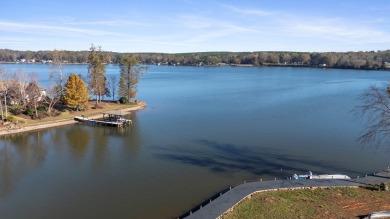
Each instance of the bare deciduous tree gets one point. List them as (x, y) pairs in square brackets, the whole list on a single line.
[(5, 84), (55, 88), (56, 85), (34, 94), (375, 105), (54, 92), (17, 91), (57, 67)]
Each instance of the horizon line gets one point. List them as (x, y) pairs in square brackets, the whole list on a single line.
[(203, 51)]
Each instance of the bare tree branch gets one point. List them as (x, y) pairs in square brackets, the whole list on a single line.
[(375, 107)]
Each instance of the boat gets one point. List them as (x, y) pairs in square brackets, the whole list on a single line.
[(378, 214), (309, 175)]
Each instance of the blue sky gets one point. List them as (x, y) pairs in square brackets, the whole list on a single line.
[(196, 25)]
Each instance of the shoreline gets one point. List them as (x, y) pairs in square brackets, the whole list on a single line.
[(62, 122), (291, 65), (226, 201)]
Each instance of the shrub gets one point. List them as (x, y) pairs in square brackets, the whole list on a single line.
[(123, 100), (42, 108), (42, 114), (30, 112), (10, 118), (16, 109), (55, 113), (65, 112)]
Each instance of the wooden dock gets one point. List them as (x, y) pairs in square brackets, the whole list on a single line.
[(114, 119)]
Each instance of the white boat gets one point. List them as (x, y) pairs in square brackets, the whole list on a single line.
[(378, 214), (310, 175)]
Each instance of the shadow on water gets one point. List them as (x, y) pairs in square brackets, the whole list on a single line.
[(226, 157)]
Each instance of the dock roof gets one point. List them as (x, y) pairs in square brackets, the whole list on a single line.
[(116, 113)]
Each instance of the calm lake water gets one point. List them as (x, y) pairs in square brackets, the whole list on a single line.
[(205, 129)]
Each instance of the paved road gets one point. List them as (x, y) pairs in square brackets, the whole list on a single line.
[(223, 203)]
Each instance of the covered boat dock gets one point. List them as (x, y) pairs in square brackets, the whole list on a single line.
[(110, 118), (115, 115)]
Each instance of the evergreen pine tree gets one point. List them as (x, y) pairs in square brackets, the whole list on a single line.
[(97, 72), (129, 76)]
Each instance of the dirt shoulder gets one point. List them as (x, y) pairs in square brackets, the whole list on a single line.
[(68, 118)]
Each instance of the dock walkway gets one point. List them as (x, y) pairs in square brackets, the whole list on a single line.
[(115, 119), (235, 195), (102, 122)]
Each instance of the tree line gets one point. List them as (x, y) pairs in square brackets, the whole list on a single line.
[(370, 60), (20, 93)]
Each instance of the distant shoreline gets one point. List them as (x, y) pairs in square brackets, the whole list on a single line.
[(366, 60), (39, 63), (221, 65)]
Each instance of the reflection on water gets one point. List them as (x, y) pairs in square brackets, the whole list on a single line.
[(18, 154), (23, 152), (78, 140), (204, 129)]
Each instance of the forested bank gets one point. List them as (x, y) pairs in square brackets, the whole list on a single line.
[(352, 60)]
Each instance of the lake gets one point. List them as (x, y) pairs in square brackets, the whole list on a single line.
[(204, 129)]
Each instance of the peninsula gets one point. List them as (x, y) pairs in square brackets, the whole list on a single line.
[(25, 124), (25, 105)]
